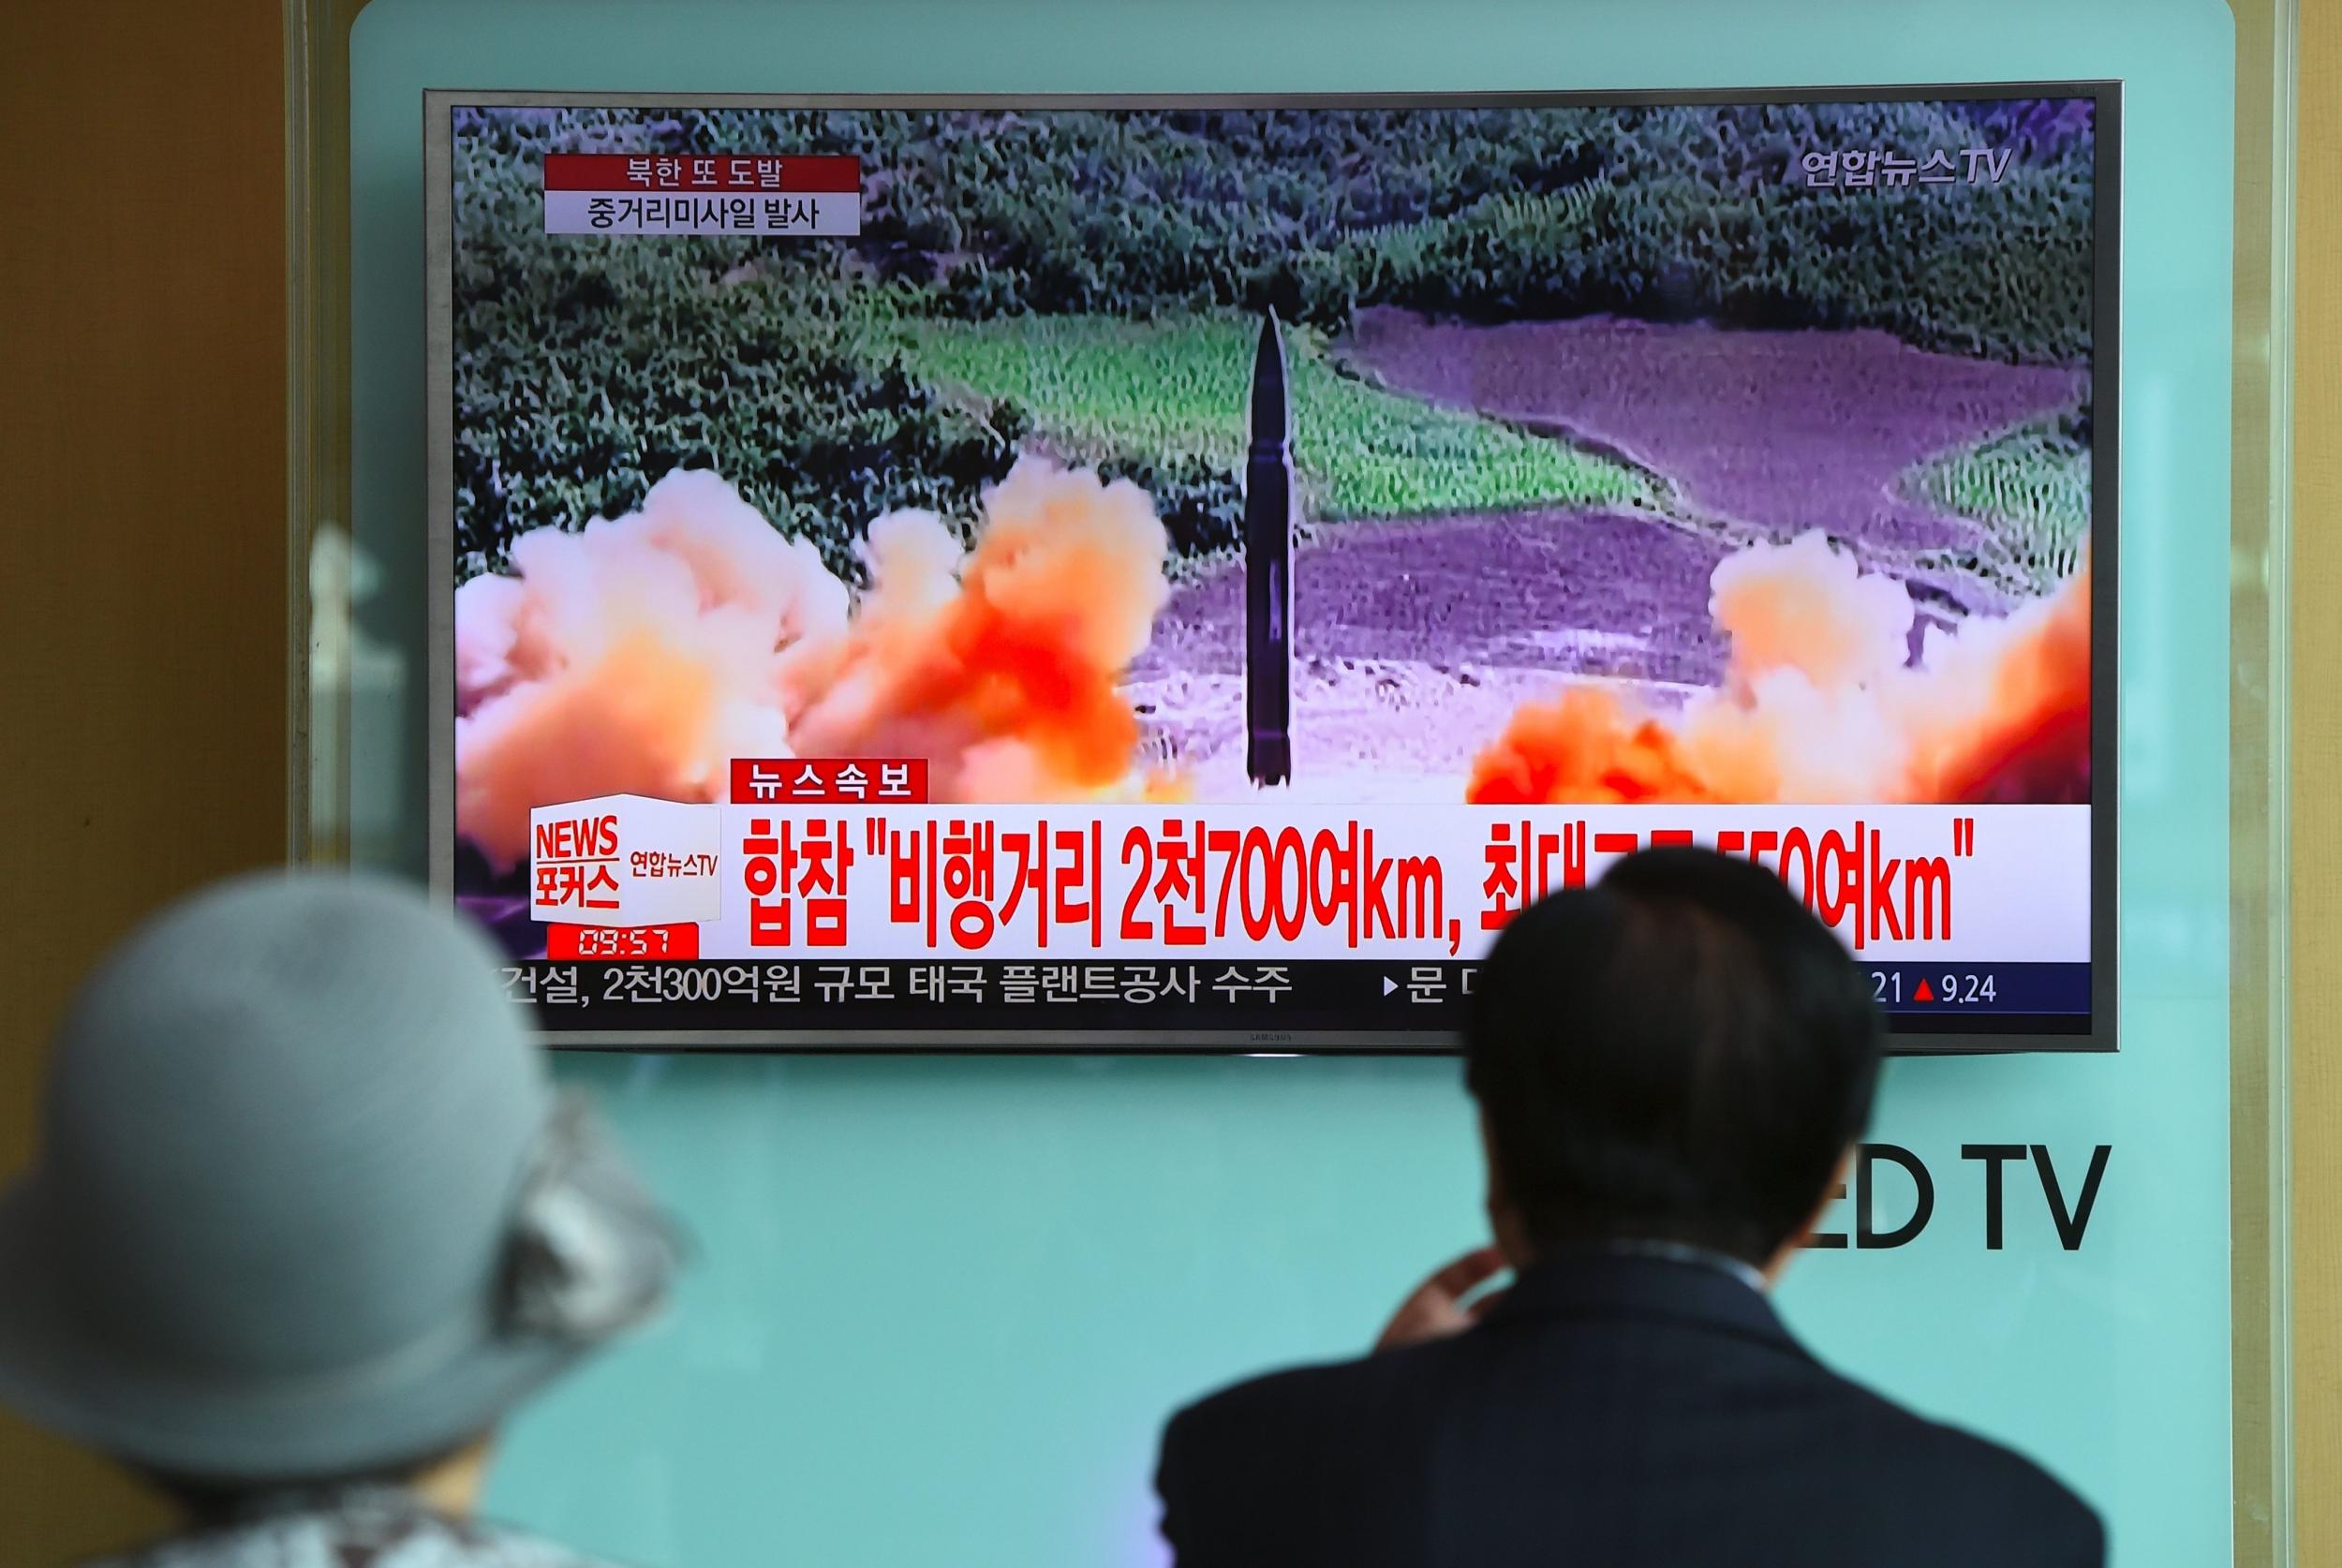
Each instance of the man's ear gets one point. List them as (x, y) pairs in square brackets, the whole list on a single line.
[(1838, 1179), (1497, 1197), (1503, 1218)]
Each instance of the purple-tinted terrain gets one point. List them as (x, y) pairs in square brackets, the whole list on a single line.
[(1594, 593), (1415, 641), (1780, 432)]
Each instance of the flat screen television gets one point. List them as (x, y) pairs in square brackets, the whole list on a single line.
[(1179, 573)]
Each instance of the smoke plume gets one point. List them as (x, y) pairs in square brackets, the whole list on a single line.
[(1819, 704), (641, 654)]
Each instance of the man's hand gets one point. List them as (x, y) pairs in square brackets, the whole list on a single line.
[(1436, 1309)]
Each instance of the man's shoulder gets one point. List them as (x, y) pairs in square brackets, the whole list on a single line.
[(1312, 1464), (1323, 1392), (1324, 1423), (1366, 1431), (1930, 1473)]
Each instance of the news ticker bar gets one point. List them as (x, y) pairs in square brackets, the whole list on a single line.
[(1314, 995), (1386, 883)]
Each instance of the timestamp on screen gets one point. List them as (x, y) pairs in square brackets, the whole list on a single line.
[(619, 942)]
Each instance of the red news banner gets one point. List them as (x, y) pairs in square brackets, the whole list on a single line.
[(828, 858), (633, 193)]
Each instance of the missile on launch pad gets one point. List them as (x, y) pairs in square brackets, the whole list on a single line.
[(1268, 569)]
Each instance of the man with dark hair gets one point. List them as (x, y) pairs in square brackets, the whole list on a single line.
[(1672, 1068)]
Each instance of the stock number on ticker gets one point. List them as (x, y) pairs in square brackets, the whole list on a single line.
[(1889, 987)]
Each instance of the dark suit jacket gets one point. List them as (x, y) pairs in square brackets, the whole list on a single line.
[(1612, 1411)]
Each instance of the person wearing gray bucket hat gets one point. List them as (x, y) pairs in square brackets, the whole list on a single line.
[(306, 1222)]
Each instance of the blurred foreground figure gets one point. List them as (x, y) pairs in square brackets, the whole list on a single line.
[(307, 1221), (1672, 1068)]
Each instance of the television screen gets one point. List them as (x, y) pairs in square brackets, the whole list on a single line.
[(1179, 573)]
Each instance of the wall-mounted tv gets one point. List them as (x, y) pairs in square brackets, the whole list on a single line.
[(1179, 573)]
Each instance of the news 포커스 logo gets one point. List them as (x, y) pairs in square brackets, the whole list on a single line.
[(624, 860)]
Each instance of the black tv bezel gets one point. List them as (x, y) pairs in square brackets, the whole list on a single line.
[(1946, 1034)]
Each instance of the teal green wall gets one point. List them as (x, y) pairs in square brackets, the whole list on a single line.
[(942, 1305)]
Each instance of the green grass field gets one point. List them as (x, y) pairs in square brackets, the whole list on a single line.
[(2031, 487), (1099, 388)]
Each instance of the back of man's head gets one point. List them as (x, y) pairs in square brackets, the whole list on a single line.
[(1683, 1053)]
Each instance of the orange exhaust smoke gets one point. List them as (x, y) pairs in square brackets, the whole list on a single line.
[(1008, 677), (1819, 707), (642, 654)]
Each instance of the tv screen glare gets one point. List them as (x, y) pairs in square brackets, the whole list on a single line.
[(1179, 573)]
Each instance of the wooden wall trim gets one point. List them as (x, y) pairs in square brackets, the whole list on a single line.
[(2315, 893), (142, 420), (2260, 668)]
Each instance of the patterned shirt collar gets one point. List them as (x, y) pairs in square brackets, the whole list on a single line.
[(344, 1527)]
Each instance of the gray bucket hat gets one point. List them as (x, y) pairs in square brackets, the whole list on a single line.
[(307, 1205)]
